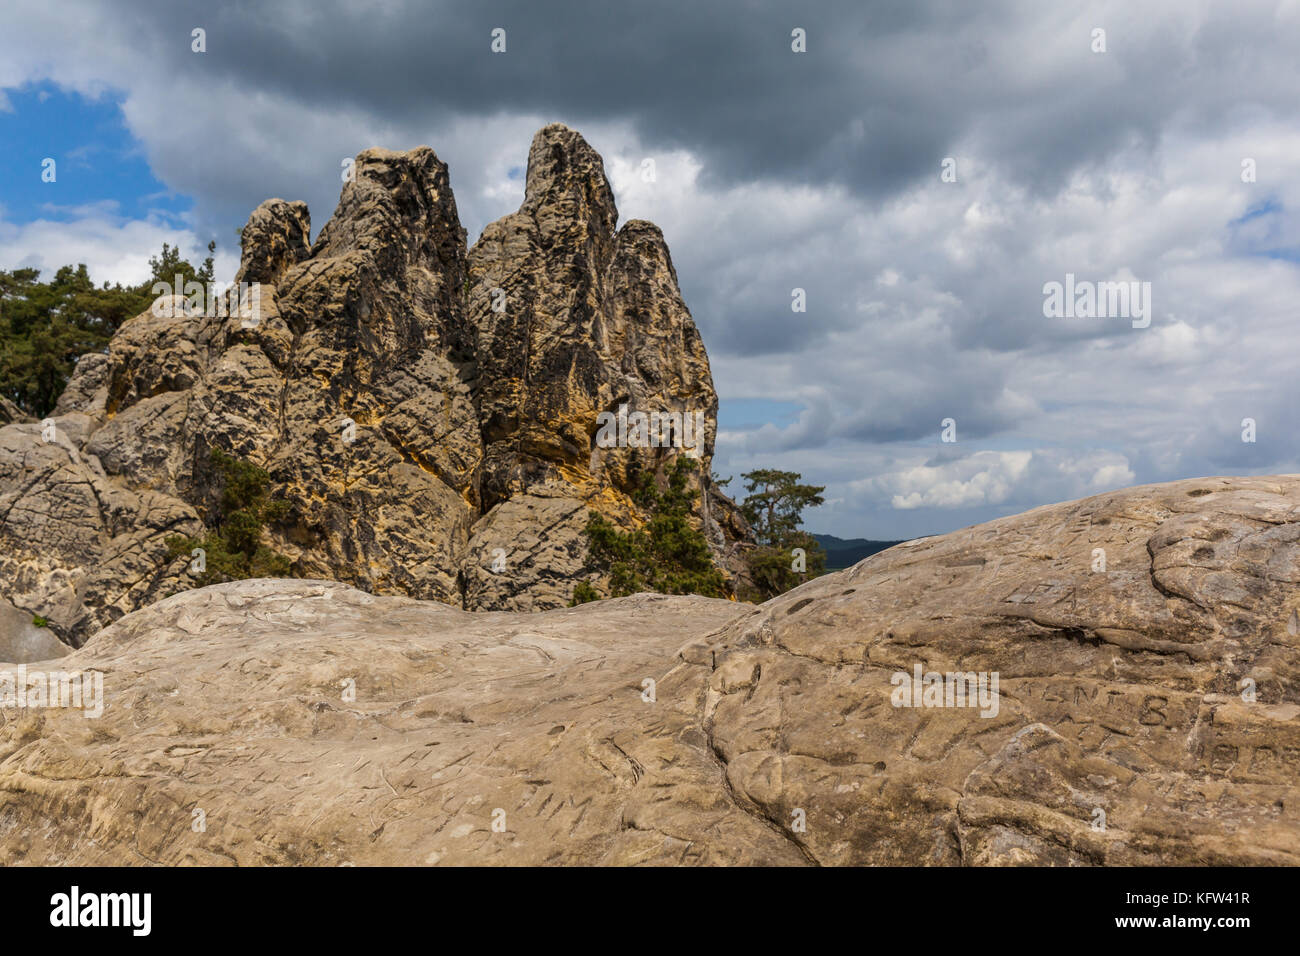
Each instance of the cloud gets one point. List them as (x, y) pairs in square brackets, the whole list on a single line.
[(994, 478), (108, 246), (776, 171)]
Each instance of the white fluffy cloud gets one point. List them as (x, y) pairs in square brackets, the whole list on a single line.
[(996, 477), (111, 248)]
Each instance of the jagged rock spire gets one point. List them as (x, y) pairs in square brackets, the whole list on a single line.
[(427, 413)]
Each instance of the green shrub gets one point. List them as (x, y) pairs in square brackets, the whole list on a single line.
[(666, 555), (583, 593), (233, 548)]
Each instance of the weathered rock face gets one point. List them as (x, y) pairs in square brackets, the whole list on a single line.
[(1122, 627), (573, 319), (76, 546), (1121, 734), (23, 640), (422, 425), (9, 412)]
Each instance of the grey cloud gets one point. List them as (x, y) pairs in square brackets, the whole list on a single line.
[(820, 171)]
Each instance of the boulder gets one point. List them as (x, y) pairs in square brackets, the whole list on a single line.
[(1138, 654)]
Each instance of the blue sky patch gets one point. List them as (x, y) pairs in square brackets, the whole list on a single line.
[(1262, 231), (746, 414), (99, 165)]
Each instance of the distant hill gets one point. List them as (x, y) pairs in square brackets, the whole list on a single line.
[(845, 552)]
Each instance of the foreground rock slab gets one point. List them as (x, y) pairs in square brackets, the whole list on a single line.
[(1147, 711)]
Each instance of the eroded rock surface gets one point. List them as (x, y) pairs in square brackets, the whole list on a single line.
[(571, 319), (1147, 713), (428, 412), (23, 639), (9, 412)]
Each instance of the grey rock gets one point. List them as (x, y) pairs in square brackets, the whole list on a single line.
[(315, 724), (474, 429), (9, 412), (87, 389), (23, 641)]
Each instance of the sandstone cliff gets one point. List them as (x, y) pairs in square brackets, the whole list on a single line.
[(1148, 712), (426, 411)]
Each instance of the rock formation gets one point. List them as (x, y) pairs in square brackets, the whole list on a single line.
[(22, 639), (1144, 642), (9, 412), (425, 411)]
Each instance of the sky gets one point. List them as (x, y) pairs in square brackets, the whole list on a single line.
[(922, 170)]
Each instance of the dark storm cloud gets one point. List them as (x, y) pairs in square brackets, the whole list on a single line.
[(718, 78), (882, 95)]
